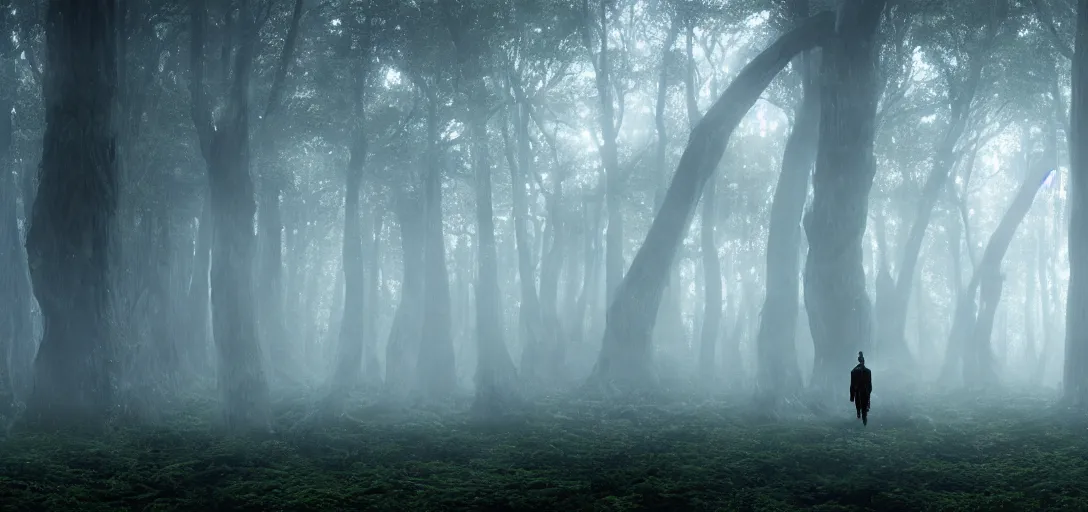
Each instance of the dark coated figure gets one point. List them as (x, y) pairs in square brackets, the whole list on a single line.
[(861, 386)]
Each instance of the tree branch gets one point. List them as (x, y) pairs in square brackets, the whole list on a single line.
[(1047, 20), (286, 55)]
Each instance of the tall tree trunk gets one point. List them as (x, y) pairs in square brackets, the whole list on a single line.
[(556, 235), (550, 267), (955, 277), (1061, 119), (163, 294), (921, 318), (14, 301), (14, 297), (401, 350), (965, 355), (979, 370), (530, 319), (199, 294), (329, 341), (839, 310), (712, 275), (712, 268), (310, 300), (436, 376), (587, 298), (699, 289), (625, 357), (461, 303), (1031, 351), (234, 321), (1046, 348), (495, 372), (24, 341), (349, 354), (1057, 121), (1075, 379), (270, 285), (609, 152), (72, 217), (271, 296), (777, 371), (892, 326), (732, 362), (372, 371), (241, 374), (298, 241), (669, 326), (660, 124), (574, 280)]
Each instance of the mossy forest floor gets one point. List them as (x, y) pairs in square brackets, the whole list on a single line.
[(1005, 453)]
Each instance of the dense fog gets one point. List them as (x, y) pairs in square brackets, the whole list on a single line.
[(343, 206)]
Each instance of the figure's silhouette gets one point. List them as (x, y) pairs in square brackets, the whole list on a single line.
[(861, 386)]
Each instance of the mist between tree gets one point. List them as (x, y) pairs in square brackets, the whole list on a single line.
[(268, 217)]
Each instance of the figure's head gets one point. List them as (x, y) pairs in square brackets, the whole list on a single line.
[(861, 358)]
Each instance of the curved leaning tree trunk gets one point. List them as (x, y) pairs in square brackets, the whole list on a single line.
[(1075, 380), (968, 348), (625, 357), (892, 302), (72, 216)]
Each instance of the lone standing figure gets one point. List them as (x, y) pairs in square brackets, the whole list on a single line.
[(861, 386)]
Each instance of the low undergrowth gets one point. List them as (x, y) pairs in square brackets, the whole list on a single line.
[(566, 455)]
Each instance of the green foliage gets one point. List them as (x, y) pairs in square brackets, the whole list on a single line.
[(1014, 453)]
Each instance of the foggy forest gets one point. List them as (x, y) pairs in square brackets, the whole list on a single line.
[(318, 255)]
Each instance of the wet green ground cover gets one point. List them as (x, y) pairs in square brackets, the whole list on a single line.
[(565, 455)]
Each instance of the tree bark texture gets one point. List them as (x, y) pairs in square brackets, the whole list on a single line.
[(1075, 378), (838, 305), (72, 218)]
